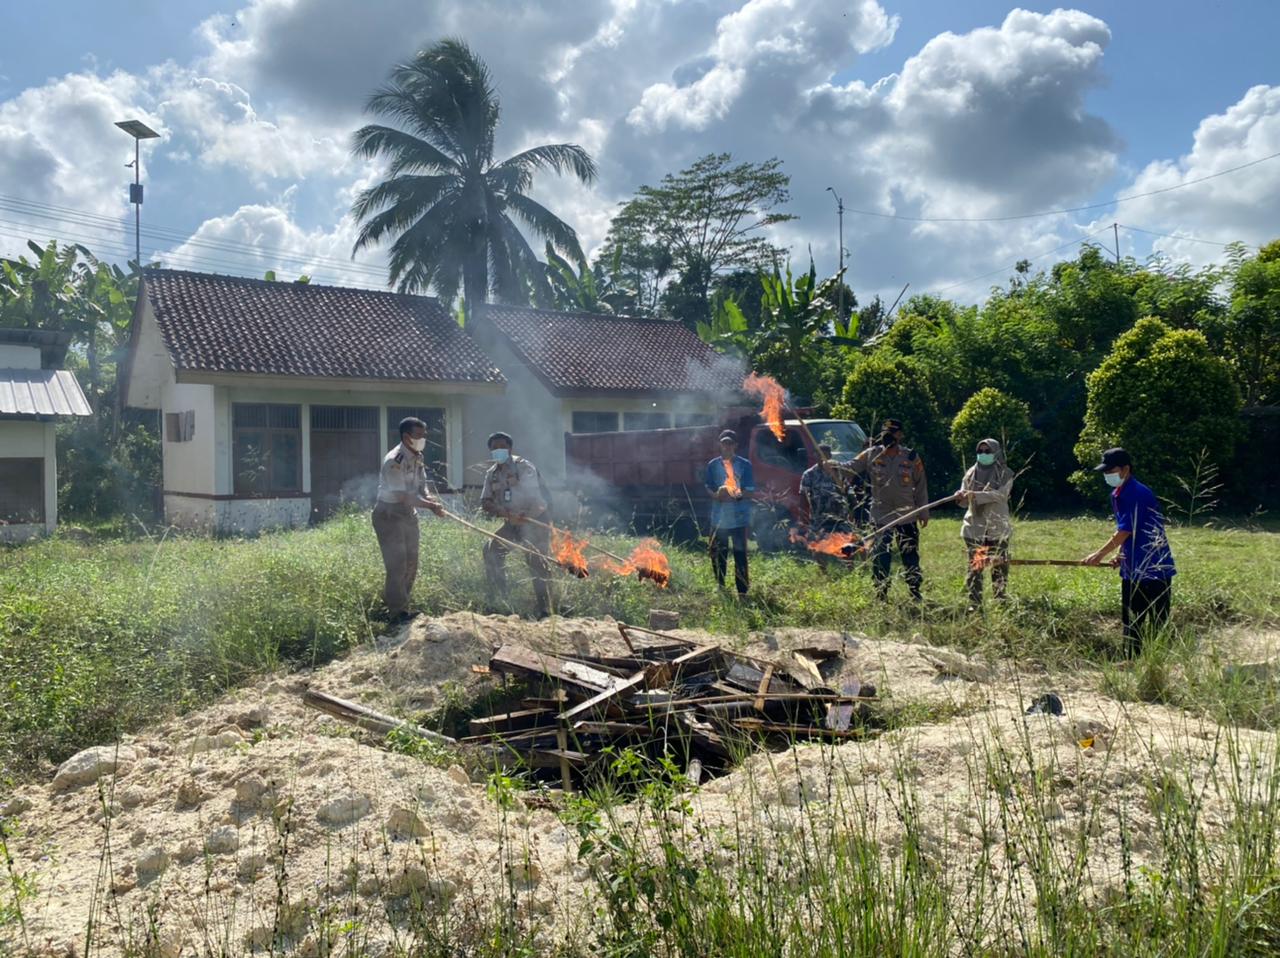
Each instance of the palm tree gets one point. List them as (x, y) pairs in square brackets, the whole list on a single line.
[(446, 202)]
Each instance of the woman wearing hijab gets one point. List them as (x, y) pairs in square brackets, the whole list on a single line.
[(986, 527)]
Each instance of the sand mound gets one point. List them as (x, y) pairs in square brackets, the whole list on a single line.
[(258, 822)]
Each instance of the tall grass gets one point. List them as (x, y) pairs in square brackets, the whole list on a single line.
[(98, 637)]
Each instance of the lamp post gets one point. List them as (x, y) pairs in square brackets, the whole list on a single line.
[(840, 240), (139, 131)]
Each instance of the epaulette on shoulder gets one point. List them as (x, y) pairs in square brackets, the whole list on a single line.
[(400, 457)]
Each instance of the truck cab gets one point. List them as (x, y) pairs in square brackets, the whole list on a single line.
[(779, 464)]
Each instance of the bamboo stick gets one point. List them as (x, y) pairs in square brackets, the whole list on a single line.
[(1066, 562), (445, 513), (772, 697), (366, 718)]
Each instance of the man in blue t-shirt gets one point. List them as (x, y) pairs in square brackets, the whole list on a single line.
[(1146, 564), (730, 482)]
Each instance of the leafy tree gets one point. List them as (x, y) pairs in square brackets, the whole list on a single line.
[(708, 219), (792, 336), (883, 384), (1250, 330), (1165, 397), (992, 414), (108, 463), (586, 289), (448, 204)]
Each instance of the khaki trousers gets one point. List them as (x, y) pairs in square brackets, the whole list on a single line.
[(396, 527)]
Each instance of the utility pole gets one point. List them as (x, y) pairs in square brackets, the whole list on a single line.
[(1115, 228), (139, 131), (840, 241)]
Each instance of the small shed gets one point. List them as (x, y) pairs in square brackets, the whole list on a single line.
[(34, 395)]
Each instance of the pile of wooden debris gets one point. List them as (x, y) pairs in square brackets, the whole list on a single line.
[(699, 703)]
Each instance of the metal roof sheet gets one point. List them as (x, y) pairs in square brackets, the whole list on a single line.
[(41, 392)]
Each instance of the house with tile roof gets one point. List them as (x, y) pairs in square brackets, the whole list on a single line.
[(279, 400), (34, 395), (585, 372)]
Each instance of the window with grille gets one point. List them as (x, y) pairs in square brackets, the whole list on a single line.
[(22, 490), (595, 422), (344, 418), (632, 421), (436, 453), (266, 448)]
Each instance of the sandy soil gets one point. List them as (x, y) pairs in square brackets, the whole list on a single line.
[(208, 817)]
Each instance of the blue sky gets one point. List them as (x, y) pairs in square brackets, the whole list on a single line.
[(1015, 110)]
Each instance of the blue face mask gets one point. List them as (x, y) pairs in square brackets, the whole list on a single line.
[(500, 455), (1114, 479), (986, 458)]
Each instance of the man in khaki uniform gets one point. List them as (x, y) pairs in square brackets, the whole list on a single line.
[(513, 491), (898, 485), (402, 491)]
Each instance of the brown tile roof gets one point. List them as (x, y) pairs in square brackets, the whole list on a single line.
[(229, 324), (587, 352), (41, 394)]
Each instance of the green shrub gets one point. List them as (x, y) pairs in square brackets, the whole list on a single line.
[(1166, 398), (887, 384), (991, 414)]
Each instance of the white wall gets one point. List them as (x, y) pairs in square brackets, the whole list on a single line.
[(19, 357), (150, 368), (189, 466)]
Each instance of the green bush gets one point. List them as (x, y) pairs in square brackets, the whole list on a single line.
[(887, 384), (1165, 397), (992, 414)]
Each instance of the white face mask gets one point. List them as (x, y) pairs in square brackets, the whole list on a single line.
[(500, 455), (1114, 479), (417, 445)]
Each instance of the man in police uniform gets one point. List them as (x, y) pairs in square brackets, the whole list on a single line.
[(402, 490), (513, 491), (898, 485)]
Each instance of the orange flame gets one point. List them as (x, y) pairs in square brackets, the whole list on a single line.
[(774, 396), (981, 556), (843, 544), (730, 478), (569, 552), (647, 561)]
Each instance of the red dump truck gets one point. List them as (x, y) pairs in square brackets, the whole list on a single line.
[(652, 479)]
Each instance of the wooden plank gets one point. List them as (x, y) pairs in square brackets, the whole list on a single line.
[(520, 660), (764, 688), (512, 721), (813, 731), (562, 753), (366, 718), (605, 697)]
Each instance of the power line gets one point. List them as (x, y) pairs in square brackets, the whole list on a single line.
[(1029, 259), (1177, 236), (90, 220), (1066, 209)]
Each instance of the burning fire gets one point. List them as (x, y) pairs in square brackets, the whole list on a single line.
[(647, 561), (774, 396), (843, 544), (569, 552), (731, 480), (981, 556)]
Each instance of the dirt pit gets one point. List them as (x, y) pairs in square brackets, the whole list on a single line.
[(258, 824)]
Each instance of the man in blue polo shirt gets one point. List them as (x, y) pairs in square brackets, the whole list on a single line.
[(1146, 564), (730, 482)]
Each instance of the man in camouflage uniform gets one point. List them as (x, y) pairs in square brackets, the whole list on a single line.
[(898, 485), (402, 490), (513, 491)]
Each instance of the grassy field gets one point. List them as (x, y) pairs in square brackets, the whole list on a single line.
[(99, 636)]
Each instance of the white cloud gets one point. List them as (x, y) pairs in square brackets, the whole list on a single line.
[(265, 236), (1242, 206)]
